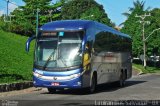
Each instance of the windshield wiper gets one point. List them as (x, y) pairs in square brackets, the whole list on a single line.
[(49, 58)]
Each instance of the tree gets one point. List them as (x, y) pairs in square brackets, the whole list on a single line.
[(2, 23), (137, 5), (24, 21), (153, 42), (133, 28), (85, 9)]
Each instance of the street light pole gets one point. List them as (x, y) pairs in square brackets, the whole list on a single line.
[(151, 33), (50, 14), (7, 7)]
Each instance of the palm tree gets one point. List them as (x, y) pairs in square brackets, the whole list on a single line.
[(137, 5)]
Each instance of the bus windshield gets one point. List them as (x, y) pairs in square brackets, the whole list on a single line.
[(59, 49)]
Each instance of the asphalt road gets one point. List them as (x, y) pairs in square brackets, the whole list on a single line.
[(139, 87)]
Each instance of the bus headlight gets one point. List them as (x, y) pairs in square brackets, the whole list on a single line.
[(75, 75), (37, 74)]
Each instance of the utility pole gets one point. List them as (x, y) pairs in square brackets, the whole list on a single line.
[(142, 17), (50, 14), (7, 7), (37, 22), (7, 17)]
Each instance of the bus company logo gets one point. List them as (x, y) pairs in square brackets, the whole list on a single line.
[(55, 78)]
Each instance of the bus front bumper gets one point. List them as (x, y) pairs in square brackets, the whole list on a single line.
[(57, 82)]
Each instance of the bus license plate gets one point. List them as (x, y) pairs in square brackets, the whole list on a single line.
[(55, 84)]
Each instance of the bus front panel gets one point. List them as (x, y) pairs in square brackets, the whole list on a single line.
[(65, 79)]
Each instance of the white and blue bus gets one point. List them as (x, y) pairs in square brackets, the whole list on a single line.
[(80, 54)]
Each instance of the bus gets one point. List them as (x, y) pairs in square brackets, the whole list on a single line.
[(80, 54)]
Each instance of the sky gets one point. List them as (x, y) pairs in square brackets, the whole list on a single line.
[(113, 8), (14, 4)]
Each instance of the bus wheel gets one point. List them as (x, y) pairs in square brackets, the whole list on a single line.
[(122, 80), (92, 88), (51, 90)]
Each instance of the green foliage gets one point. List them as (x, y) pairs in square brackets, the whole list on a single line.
[(15, 63), (1, 23), (147, 70), (153, 42), (21, 23), (85, 9), (24, 21), (134, 29)]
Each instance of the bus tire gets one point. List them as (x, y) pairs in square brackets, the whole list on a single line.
[(92, 88), (51, 90), (122, 79)]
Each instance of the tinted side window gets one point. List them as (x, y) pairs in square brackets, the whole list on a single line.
[(100, 41), (126, 44), (106, 41)]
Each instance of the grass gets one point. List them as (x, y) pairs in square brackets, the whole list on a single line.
[(15, 63), (147, 70)]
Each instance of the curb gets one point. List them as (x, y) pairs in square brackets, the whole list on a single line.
[(15, 86), (141, 73)]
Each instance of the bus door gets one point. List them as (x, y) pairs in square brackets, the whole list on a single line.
[(87, 65)]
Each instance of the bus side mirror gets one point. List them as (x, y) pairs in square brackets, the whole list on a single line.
[(28, 43)]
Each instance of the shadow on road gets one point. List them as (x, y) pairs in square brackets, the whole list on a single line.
[(112, 86), (56, 103), (109, 87)]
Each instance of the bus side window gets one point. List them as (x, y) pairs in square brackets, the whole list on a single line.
[(98, 43)]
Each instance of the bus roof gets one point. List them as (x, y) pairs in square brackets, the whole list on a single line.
[(71, 25)]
